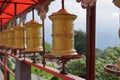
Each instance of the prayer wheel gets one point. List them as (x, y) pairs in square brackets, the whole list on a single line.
[(117, 3), (1, 38), (19, 37), (118, 64), (4, 38), (62, 33), (33, 36), (11, 40)]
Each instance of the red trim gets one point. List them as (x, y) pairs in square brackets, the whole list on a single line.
[(40, 66), (7, 68), (111, 71)]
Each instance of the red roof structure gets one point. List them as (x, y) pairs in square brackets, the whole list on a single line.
[(11, 8)]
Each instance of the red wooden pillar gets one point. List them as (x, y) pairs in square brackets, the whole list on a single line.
[(90, 43)]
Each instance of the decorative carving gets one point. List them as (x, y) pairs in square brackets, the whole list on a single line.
[(87, 3), (117, 3), (23, 18), (43, 9)]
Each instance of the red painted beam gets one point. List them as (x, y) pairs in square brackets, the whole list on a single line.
[(46, 68), (53, 71)]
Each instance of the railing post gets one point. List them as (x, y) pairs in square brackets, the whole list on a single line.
[(90, 36), (5, 64), (22, 71)]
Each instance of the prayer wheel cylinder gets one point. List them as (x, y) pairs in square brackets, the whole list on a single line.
[(2, 43), (118, 64), (11, 40), (117, 3), (33, 36), (19, 37), (4, 38), (62, 33)]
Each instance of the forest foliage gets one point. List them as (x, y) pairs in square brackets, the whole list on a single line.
[(103, 57)]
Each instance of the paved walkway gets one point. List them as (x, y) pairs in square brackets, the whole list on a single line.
[(33, 77), (36, 78), (1, 75)]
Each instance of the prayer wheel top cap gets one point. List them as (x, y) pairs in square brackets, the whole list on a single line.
[(6, 30), (20, 26), (117, 3), (10, 30), (32, 22), (62, 12)]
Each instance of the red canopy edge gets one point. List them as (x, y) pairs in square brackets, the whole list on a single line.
[(10, 9)]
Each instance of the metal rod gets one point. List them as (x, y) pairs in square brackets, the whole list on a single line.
[(33, 14), (90, 43), (34, 58), (43, 42), (63, 7), (0, 24)]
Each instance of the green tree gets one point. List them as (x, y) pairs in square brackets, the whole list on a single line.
[(111, 54), (99, 53), (101, 74), (80, 41), (47, 46), (77, 67)]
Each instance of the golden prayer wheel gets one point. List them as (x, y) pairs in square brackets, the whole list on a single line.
[(62, 33), (4, 33), (118, 64), (33, 36), (1, 38), (6, 37), (117, 3), (19, 37), (11, 40)]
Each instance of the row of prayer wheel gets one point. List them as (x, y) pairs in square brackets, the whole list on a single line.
[(30, 36), (19, 37)]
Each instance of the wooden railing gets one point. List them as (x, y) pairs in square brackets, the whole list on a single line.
[(23, 69)]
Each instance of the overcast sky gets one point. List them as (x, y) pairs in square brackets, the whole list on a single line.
[(107, 21)]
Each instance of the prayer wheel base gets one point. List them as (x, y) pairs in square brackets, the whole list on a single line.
[(63, 52), (63, 60), (33, 49)]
